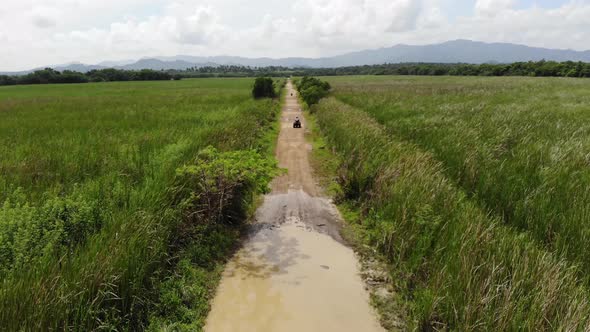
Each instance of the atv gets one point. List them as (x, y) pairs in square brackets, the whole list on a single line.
[(297, 124)]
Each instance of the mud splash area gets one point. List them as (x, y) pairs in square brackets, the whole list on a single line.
[(294, 272)]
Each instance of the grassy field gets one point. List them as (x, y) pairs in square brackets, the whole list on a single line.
[(86, 175), (476, 189), (520, 147)]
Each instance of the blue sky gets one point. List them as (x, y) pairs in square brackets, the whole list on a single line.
[(41, 32)]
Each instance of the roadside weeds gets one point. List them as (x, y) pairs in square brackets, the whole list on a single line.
[(375, 271)]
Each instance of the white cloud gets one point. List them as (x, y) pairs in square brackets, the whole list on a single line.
[(403, 15), (43, 21), (333, 18), (45, 17), (432, 16), (492, 7), (201, 27), (42, 32)]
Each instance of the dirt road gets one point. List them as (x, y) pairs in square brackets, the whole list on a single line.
[(293, 273)]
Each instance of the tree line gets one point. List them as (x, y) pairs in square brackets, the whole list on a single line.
[(234, 71), (531, 68), (52, 76)]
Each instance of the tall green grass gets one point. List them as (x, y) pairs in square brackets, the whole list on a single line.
[(458, 267), (518, 146), (86, 221)]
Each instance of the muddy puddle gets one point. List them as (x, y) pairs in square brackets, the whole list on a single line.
[(292, 275)]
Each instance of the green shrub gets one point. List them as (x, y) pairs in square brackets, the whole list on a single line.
[(263, 88), (312, 89), (28, 233), (215, 188), (214, 194)]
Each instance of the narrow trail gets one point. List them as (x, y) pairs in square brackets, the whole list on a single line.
[(294, 272)]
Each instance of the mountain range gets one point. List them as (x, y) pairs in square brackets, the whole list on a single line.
[(457, 51)]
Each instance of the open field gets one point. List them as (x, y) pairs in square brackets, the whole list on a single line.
[(86, 219), (477, 190), (519, 147), (115, 215)]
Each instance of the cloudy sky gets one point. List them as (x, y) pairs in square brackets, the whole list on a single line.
[(45, 32)]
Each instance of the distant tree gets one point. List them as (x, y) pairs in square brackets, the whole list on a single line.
[(7, 80), (312, 89), (73, 77), (313, 94), (263, 88)]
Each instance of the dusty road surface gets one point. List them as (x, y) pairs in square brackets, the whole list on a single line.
[(293, 272)]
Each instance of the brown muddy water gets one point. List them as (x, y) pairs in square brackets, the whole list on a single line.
[(294, 272)]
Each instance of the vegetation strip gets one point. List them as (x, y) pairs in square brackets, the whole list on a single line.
[(119, 273), (531, 68), (51, 76), (457, 267), (518, 147)]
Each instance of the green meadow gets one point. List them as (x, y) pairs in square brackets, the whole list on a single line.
[(477, 190), (120, 202), (91, 218)]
